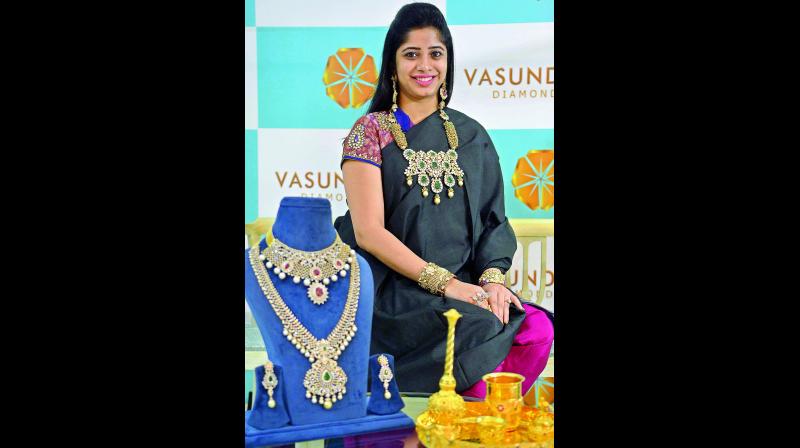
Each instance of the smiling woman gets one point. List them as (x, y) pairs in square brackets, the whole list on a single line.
[(418, 72), (425, 197)]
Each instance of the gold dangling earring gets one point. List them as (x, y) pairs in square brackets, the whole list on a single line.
[(442, 94), (385, 375), (270, 382), (394, 95), (394, 127)]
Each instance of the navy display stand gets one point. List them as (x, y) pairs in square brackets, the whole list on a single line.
[(351, 427), (306, 224)]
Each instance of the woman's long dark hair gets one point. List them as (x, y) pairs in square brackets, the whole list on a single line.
[(410, 17)]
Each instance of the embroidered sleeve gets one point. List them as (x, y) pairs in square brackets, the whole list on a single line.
[(363, 142), (368, 137)]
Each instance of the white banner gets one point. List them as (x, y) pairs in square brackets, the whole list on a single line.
[(504, 74), (300, 162), (326, 13), (250, 80)]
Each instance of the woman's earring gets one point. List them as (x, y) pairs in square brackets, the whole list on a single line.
[(443, 94), (394, 95), (385, 375), (269, 382)]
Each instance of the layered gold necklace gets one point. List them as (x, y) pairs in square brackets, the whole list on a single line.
[(325, 381), (436, 169)]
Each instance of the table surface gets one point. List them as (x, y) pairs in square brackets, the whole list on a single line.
[(415, 404)]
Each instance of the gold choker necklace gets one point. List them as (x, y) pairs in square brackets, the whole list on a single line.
[(315, 269)]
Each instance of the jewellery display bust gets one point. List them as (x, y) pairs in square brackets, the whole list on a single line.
[(305, 225)]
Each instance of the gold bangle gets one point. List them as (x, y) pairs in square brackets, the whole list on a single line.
[(492, 275), (434, 278)]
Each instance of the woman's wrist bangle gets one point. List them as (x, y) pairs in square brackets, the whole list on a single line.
[(434, 278), (492, 275)]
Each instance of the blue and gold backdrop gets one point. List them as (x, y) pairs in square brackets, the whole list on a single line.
[(310, 71)]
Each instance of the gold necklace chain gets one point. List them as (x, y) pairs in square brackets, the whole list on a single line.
[(316, 269), (431, 168), (325, 381)]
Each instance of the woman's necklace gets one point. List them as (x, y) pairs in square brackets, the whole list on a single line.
[(315, 269), (325, 380), (430, 167)]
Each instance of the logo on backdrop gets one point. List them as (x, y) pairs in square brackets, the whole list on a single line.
[(522, 83), (544, 387), (350, 77), (514, 282), (315, 184), (534, 179)]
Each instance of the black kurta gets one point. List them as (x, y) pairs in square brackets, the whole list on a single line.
[(465, 234)]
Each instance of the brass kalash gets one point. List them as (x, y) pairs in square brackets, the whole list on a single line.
[(502, 421)]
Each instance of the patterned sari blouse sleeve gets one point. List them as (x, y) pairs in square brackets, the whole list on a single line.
[(366, 139)]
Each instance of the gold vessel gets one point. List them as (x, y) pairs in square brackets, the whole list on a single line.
[(503, 421)]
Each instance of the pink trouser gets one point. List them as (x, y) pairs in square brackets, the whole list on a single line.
[(529, 352)]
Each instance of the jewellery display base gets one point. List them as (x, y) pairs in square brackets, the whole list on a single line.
[(298, 433)]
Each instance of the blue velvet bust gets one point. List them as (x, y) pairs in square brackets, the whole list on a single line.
[(306, 224)]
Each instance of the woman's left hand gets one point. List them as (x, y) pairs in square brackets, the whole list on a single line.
[(504, 299)]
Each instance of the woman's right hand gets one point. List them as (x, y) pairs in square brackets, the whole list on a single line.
[(458, 290)]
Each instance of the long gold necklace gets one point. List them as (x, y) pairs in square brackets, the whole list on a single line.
[(325, 381), (434, 168)]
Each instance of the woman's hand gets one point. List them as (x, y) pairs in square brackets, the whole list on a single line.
[(466, 292), (500, 299)]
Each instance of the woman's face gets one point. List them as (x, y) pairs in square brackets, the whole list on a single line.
[(421, 64)]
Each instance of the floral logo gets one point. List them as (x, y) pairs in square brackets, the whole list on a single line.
[(350, 77), (533, 179)]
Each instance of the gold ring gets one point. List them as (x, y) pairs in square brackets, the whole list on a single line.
[(480, 297)]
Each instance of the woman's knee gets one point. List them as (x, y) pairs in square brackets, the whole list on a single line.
[(536, 329)]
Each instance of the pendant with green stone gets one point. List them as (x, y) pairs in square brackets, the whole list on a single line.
[(434, 169), (325, 382)]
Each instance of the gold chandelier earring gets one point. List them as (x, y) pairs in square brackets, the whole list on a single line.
[(270, 382), (394, 94), (442, 94), (385, 375), (394, 127)]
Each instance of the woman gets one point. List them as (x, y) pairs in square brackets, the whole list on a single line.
[(425, 198)]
